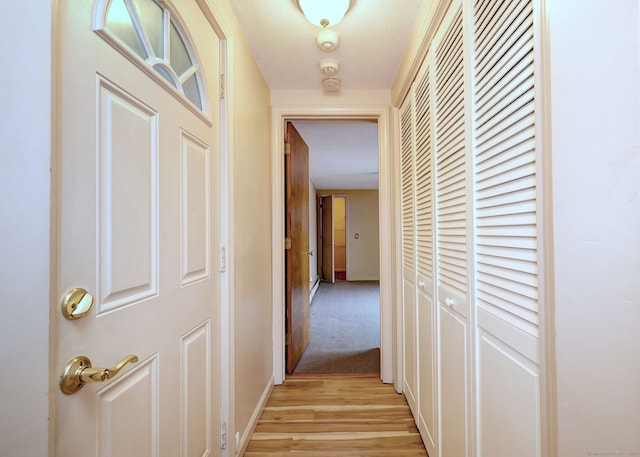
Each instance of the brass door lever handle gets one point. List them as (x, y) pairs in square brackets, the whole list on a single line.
[(78, 371)]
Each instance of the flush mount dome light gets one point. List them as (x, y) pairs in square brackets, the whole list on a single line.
[(324, 13)]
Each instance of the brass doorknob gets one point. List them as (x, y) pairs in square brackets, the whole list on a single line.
[(78, 371)]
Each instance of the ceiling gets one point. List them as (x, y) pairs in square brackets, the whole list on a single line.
[(373, 38), (343, 155)]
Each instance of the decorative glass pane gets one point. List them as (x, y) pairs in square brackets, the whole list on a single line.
[(120, 24), (152, 18), (165, 74), (192, 90), (144, 33), (180, 60)]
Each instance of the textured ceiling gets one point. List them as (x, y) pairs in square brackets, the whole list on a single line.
[(373, 38), (342, 154)]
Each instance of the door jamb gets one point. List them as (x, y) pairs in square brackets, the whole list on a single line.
[(385, 203)]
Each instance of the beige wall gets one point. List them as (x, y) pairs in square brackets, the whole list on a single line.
[(595, 160), (339, 234), (363, 254), (252, 314), (25, 180)]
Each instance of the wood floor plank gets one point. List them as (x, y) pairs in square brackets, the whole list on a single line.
[(326, 417)]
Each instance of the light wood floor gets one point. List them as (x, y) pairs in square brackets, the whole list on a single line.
[(324, 417)]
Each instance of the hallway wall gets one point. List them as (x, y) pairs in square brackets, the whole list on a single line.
[(595, 158), (25, 239), (252, 314)]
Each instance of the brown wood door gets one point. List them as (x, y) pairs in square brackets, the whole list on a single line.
[(297, 259), (327, 271)]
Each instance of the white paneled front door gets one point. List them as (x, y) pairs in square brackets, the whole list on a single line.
[(138, 228)]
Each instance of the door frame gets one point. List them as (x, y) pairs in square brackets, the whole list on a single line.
[(279, 115)]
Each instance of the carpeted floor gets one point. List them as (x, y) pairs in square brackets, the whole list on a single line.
[(345, 329)]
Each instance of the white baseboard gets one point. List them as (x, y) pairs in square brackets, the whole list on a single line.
[(242, 444), (314, 288)]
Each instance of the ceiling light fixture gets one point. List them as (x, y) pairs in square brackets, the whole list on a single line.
[(324, 13)]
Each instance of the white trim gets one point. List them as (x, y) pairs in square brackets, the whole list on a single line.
[(546, 283), (473, 347), (397, 292), (386, 210), (227, 324)]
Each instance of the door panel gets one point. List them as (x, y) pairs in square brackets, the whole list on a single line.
[(427, 364), (509, 400), (454, 385), (327, 271), (138, 215), (453, 232), (410, 346), (128, 161), (297, 259), (134, 396)]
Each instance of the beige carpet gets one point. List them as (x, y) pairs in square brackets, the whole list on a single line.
[(345, 329)]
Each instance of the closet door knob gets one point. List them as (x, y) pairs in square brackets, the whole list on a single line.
[(450, 302)]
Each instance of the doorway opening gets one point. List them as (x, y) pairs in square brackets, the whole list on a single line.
[(344, 275), (332, 237), (386, 225), (339, 238)]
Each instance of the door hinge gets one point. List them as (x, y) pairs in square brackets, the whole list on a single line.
[(223, 259), (223, 435), (287, 243), (287, 339), (223, 86), (287, 149)]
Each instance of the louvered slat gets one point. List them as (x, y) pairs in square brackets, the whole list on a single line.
[(407, 185), (450, 160), (505, 167), (424, 156)]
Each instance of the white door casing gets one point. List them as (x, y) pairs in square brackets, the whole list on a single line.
[(279, 114), (409, 311), (139, 227)]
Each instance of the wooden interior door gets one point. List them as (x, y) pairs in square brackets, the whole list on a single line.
[(297, 257), (327, 270), (138, 216)]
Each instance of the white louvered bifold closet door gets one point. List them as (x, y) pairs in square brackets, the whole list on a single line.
[(505, 220), (427, 317), (410, 349), (452, 253), (451, 165)]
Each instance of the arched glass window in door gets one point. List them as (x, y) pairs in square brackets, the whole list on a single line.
[(148, 29)]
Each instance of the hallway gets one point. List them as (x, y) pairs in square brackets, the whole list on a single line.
[(313, 417)]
